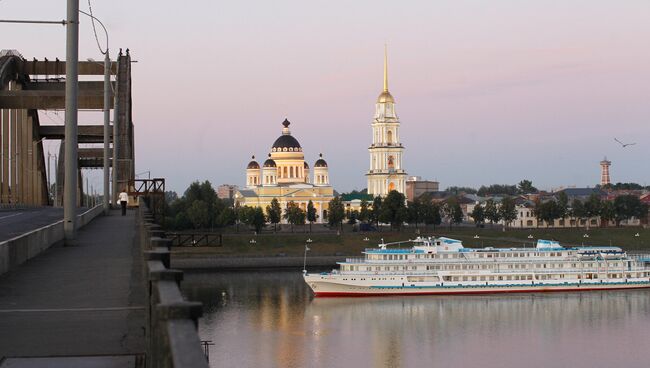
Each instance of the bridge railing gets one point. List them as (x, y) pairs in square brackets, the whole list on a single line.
[(171, 333)]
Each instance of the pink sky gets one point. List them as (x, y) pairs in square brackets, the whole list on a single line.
[(487, 91)]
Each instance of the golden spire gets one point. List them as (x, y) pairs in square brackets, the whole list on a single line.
[(385, 68)]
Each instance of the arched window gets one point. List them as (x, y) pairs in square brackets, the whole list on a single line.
[(285, 172), (391, 186), (291, 172), (391, 162), (389, 137)]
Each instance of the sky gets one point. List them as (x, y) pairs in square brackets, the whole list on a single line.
[(487, 91)]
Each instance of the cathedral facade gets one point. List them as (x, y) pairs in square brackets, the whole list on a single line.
[(286, 176), (386, 172)]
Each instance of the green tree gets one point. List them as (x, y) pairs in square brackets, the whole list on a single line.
[(478, 214), (508, 210), (257, 219), (492, 211), (336, 212), (430, 211), (546, 211), (198, 214), (393, 209), (294, 214), (608, 212), (274, 213), (526, 187), (628, 206), (227, 217), (577, 211), (453, 211), (352, 216), (414, 212), (460, 190), (376, 210), (563, 205), (497, 189), (364, 211), (592, 207), (311, 214)]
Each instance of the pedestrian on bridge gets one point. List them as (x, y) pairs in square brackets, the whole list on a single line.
[(124, 198)]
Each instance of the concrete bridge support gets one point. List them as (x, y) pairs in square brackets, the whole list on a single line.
[(27, 86)]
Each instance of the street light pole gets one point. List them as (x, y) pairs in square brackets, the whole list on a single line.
[(49, 173), (107, 123), (71, 111)]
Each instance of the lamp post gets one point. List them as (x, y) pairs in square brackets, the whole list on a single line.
[(107, 115), (71, 115)]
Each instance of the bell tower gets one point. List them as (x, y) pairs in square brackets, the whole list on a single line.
[(386, 172)]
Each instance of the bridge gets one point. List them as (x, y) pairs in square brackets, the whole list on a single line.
[(108, 299), (32, 86)]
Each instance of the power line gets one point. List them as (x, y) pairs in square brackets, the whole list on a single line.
[(92, 21)]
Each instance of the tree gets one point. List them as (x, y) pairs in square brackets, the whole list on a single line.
[(336, 213), (508, 211), (204, 192), (526, 187), (577, 211), (478, 214), (592, 207), (491, 211), (608, 212), (430, 211), (352, 216), (311, 214), (459, 190), (546, 211), (563, 205), (497, 189), (628, 206), (453, 211), (227, 217), (376, 210), (364, 211), (257, 219), (274, 213), (198, 214), (393, 209), (414, 212), (294, 214)]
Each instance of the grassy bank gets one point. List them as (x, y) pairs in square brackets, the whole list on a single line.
[(352, 243)]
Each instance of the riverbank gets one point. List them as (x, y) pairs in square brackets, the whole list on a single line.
[(284, 250), (253, 263)]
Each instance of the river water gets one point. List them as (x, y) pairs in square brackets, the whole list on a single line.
[(269, 319)]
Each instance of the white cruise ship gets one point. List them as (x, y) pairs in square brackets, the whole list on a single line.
[(444, 266)]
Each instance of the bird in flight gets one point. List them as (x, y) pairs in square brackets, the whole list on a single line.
[(624, 144)]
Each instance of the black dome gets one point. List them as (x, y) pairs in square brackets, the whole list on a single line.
[(269, 163), (286, 141), (320, 163), (306, 165), (253, 164)]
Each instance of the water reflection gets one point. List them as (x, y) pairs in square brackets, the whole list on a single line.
[(269, 319)]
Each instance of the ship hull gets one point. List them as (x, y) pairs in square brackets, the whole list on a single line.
[(323, 288)]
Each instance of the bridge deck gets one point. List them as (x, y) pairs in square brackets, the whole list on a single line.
[(77, 301)]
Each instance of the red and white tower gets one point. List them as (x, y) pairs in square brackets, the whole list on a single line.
[(604, 172)]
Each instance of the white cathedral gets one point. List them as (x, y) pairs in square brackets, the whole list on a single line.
[(386, 172)]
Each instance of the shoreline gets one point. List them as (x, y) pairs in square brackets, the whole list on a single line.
[(233, 263)]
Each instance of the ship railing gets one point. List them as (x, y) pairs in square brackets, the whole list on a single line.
[(491, 272), (355, 260)]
